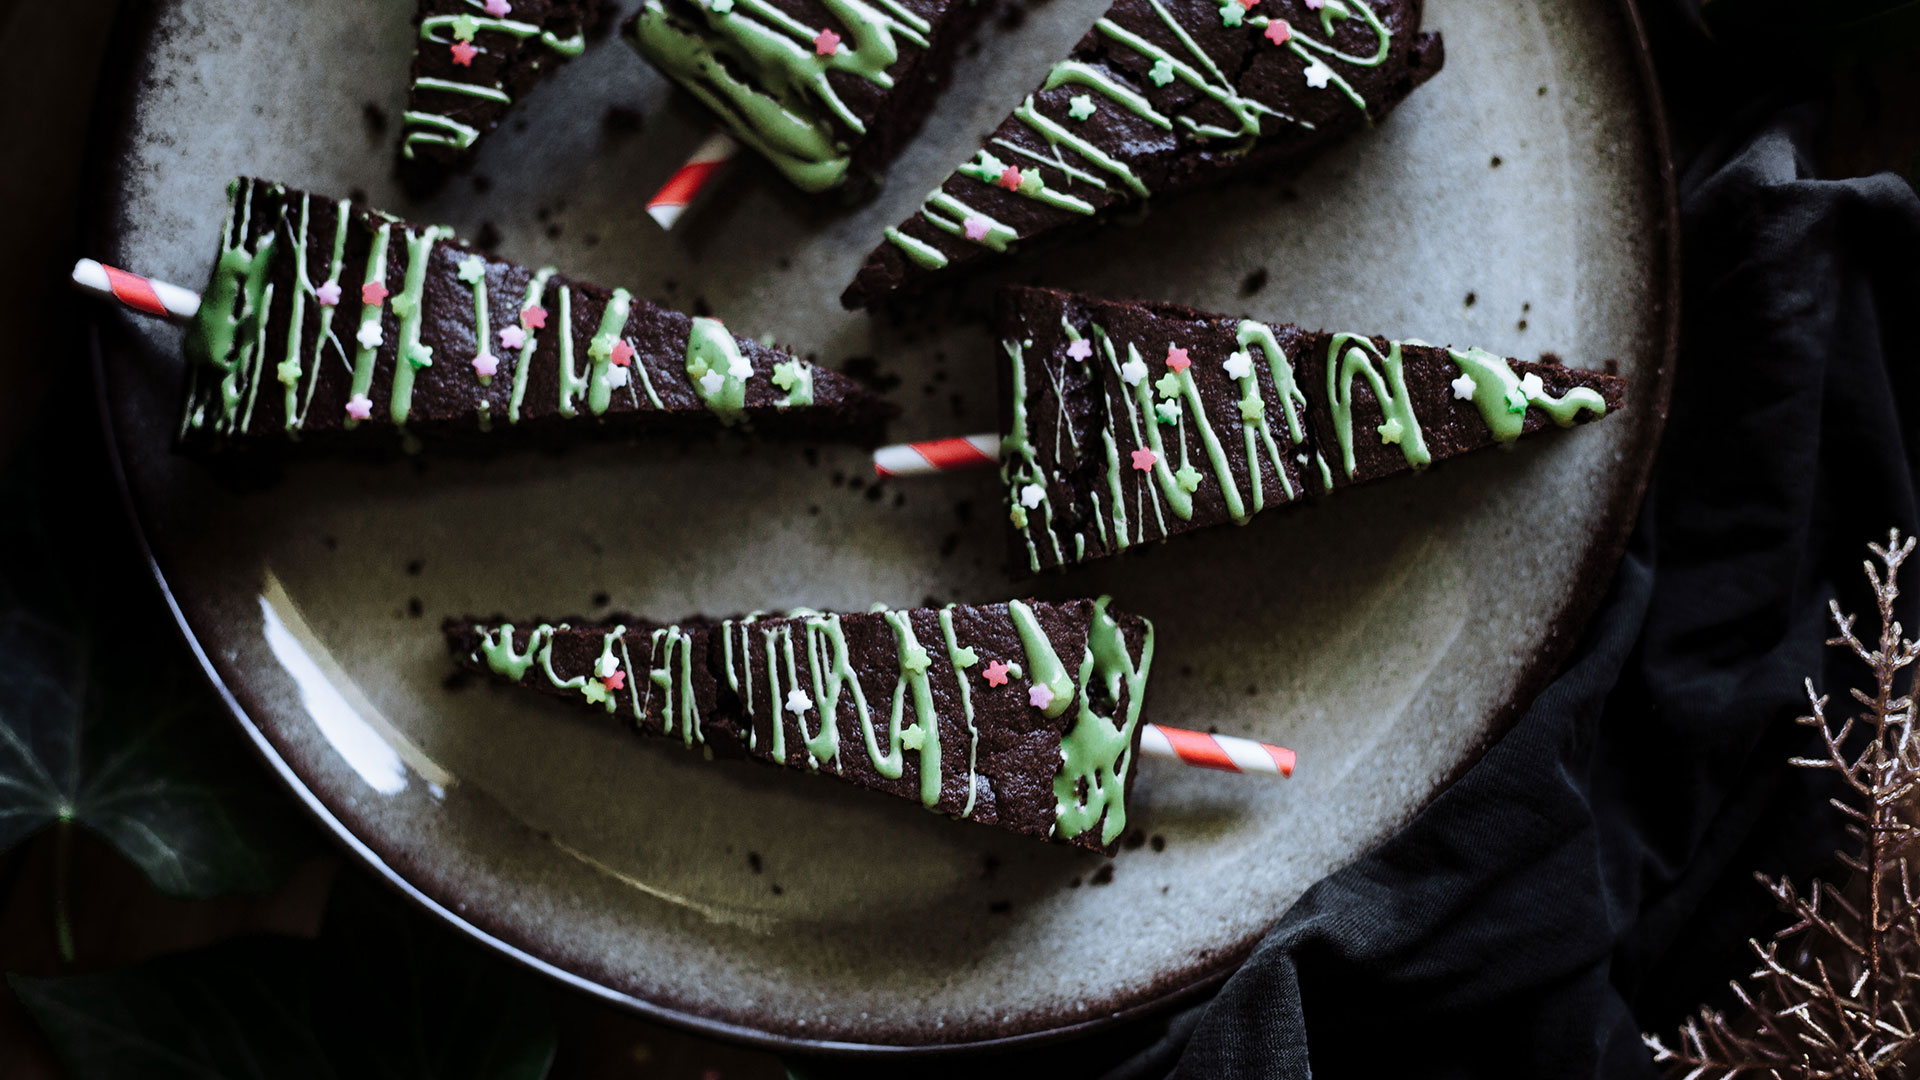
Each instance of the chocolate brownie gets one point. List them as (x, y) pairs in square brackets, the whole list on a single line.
[(1159, 97), (472, 61), (1130, 422), (1023, 715), (826, 90), (313, 304)]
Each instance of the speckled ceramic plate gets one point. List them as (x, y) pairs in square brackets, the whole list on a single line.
[(1521, 201)]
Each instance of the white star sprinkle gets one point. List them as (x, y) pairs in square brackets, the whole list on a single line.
[(798, 701), (1239, 365), (606, 667), (1532, 386), (370, 336), (1464, 386), (712, 381), (618, 377), (1318, 74), (1032, 495), (741, 368), (1133, 371)]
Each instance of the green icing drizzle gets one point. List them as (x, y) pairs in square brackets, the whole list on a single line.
[(962, 659), (1042, 661), (497, 647), (570, 381), (536, 292), (304, 287), (411, 354), (431, 128), (370, 315), (1389, 387), (482, 321), (1097, 752), (613, 323), (759, 70), (1502, 397), (678, 702), (1256, 335), (1019, 460), (796, 378), (711, 349), (924, 734), (232, 316)]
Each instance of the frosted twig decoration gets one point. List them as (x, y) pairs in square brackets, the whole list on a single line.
[(1836, 993)]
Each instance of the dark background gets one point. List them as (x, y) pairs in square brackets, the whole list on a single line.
[(1796, 358)]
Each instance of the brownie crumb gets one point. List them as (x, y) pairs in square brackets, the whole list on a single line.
[(620, 121), (963, 511), (375, 118), (1158, 842), (1134, 840), (357, 196), (1000, 907), (414, 566), (1472, 299), (482, 184), (702, 308), (1496, 161), (778, 891), (1253, 282), (415, 608), (1102, 876), (949, 545), (867, 370), (988, 865), (811, 455), (553, 231), (1542, 92), (753, 861), (1552, 359), (1075, 883), (456, 682), (488, 237), (814, 510), (601, 599)]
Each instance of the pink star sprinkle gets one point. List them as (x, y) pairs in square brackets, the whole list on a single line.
[(373, 293), (498, 8), (1278, 31), (977, 228), (1248, 4), (996, 674), (463, 54), (1316, 4), (1144, 459), (1039, 696), (616, 681), (1080, 350), (512, 337), (622, 353), (359, 406), (487, 365), (827, 43), (1177, 359), (533, 317), (328, 294), (1010, 178)]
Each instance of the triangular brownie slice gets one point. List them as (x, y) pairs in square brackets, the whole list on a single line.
[(1023, 715), (325, 324), (1160, 96), (473, 59), (826, 90), (1130, 422)]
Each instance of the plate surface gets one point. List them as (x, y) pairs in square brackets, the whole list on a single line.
[(1521, 201)]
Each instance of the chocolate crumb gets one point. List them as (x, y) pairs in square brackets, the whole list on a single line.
[(1253, 282), (1472, 298), (753, 861), (488, 237), (415, 608), (601, 599), (1000, 907), (456, 682), (1158, 842), (1102, 876), (1496, 161), (375, 118), (414, 566), (620, 121)]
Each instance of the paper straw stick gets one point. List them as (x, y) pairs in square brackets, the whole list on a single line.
[(144, 295), (940, 455), (686, 182), (1224, 752)]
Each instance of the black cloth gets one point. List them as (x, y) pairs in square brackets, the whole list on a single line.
[(1591, 876)]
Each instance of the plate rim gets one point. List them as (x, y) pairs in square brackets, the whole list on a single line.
[(124, 61)]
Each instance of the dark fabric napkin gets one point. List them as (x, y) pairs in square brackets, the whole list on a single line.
[(1591, 876)]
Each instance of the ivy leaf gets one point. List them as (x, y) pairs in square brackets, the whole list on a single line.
[(384, 992), (103, 723)]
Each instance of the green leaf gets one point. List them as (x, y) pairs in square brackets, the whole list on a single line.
[(384, 992), (103, 723)]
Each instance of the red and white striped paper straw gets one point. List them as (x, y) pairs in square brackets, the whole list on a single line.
[(939, 455), (145, 295), (685, 184), (1227, 753)]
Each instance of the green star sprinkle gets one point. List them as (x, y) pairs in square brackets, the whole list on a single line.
[(594, 691), (1516, 400), (721, 6), (1018, 516), (1080, 106), (288, 371), (464, 27), (1169, 385), (787, 374), (473, 269), (1252, 409), (1391, 431), (404, 305), (1167, 413), (914, 737), (420, 356), (1031, 183), (914, 658), (1162, 72), (1188, 478), (1231, 13), (601, 347), (965, 657)]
